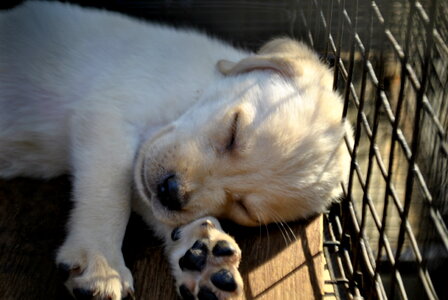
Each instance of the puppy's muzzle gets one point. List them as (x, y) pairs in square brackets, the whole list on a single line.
[(168, 192)]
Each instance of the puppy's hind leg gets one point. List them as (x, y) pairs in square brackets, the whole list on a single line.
[(102, 157)]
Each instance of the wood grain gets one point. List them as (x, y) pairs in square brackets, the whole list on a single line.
[(278, 262)]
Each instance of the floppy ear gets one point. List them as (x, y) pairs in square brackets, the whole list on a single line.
[(281, 65), (280, 55)]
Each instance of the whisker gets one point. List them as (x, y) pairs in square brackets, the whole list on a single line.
[(291, 231), (288, 230), (259, 222), (287, 233), (276, 222), (262, 222), (267, 234)]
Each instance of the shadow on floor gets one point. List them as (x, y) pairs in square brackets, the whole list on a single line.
[(33, 214)]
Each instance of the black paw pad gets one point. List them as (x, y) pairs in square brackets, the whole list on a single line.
[(63, 271), (185, 293), (175, 234), (195, 257), (82, 294), (223, 248), (206, 294), (224, 280), (201, 244)]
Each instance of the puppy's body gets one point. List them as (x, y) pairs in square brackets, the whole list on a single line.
[(54, 65), (119, 103)]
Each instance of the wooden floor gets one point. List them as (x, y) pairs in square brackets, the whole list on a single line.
[(277, 264)]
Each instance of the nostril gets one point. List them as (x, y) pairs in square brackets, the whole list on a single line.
[(168, 193)]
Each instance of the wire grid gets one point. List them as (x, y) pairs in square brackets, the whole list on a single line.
[(388, 237)]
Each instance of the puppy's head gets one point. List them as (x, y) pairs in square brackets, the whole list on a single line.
[(265, 144)]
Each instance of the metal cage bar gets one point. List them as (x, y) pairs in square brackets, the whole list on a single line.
[(366, 264)]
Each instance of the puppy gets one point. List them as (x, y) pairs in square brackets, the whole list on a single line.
[(171, 123)]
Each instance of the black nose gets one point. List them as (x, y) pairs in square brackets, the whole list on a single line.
[(168, 193)]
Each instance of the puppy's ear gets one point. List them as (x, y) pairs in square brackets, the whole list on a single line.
[(257, 62), (281, 55), (288, 47)]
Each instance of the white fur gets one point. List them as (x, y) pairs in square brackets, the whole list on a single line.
[(114, 101)]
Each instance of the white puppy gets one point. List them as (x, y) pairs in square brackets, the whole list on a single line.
[(197, 127)]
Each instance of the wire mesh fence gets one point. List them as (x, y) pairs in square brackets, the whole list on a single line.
[(388, 237)]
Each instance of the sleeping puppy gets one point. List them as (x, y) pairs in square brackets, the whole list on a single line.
[(171, 123)]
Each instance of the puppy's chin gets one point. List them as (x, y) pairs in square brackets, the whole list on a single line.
[(171, 218)]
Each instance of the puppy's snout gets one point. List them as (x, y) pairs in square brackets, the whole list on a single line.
[(168, 193)]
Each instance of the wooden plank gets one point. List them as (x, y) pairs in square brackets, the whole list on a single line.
[(32, 218), (277, 264), (286, 266)]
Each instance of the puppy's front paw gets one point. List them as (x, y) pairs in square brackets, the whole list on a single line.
[(205, 261), (91, 274)]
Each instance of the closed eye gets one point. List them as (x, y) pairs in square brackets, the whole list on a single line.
[(243, 207), (231, 141), (253, 219)]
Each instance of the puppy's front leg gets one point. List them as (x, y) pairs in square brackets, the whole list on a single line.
[(102, 156), (204, 260)]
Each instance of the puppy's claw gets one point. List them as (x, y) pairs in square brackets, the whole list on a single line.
[(175, 234), (208, 223)]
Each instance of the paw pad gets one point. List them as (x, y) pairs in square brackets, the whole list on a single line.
[(201, 244), (206, 261), (206, 294), (195, 258), (185, 293), (224, 280), (223, 248)]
